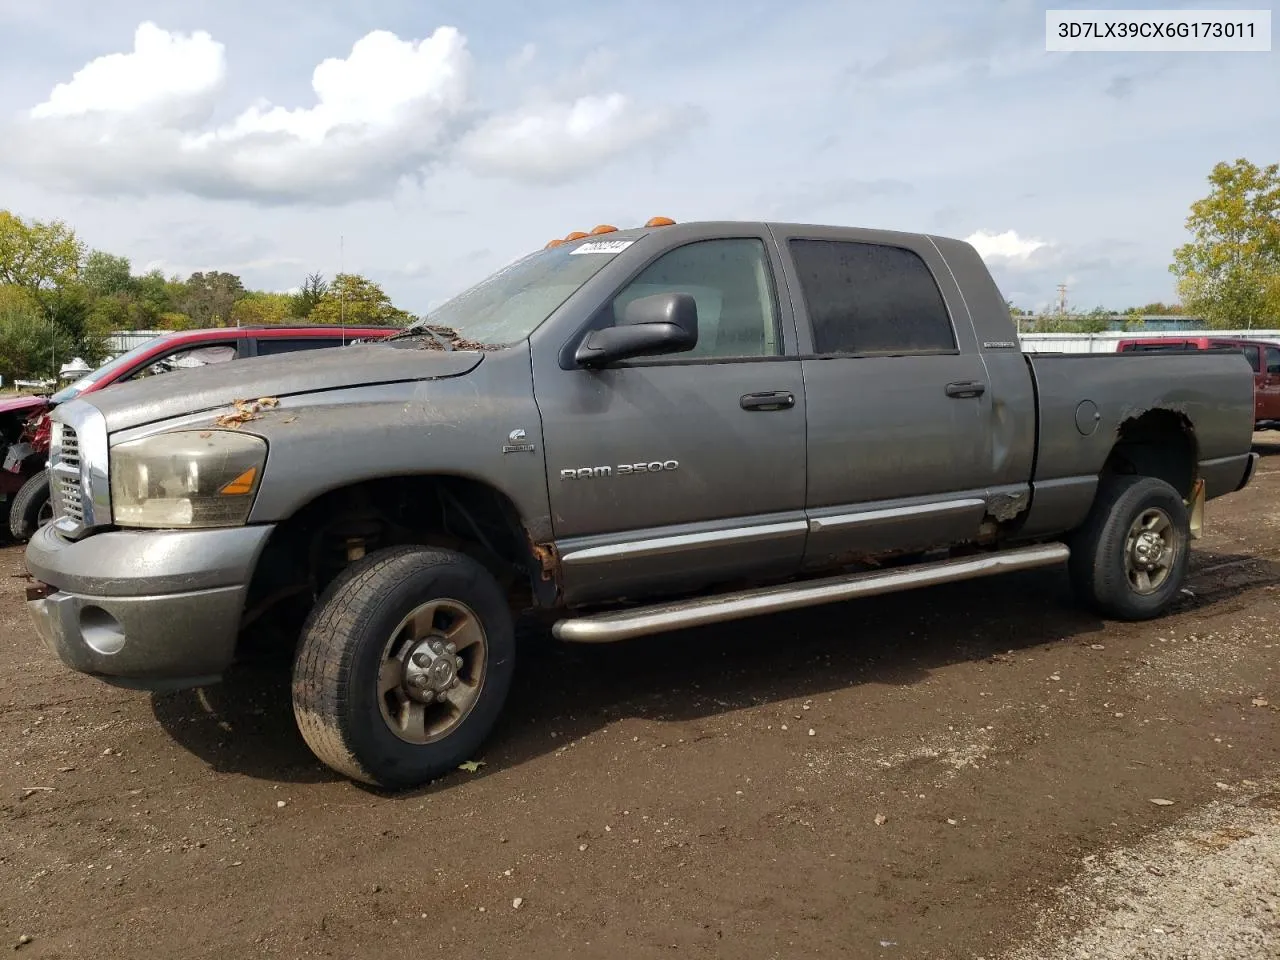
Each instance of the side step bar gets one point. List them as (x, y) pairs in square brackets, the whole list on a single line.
[(637, 622)]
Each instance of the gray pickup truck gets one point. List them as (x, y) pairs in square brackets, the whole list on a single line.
[(629, 431)]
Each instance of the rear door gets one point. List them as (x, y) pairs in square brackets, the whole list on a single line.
[(899, 452)]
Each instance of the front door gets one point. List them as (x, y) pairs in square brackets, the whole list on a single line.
[(674, 472)]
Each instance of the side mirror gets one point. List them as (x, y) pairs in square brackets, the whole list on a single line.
[(663, 323)]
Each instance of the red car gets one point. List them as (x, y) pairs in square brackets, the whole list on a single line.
[(24, 421), (1263, 356)]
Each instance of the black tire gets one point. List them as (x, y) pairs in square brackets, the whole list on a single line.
[(336, 699), (30, 508), (1101, 560)]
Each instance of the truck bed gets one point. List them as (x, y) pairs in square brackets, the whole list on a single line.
[(1082, 401)]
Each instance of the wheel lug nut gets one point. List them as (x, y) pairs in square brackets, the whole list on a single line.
[(457, 662), (451, 648), (421, 659)]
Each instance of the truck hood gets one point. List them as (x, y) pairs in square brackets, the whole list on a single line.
[(18, 404), (185, 392)]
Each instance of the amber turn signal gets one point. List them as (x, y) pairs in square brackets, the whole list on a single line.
[(242, 484)]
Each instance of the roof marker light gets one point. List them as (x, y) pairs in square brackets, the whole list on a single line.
[(660, 222)]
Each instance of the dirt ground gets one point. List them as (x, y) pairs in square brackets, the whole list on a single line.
[(970, 772)]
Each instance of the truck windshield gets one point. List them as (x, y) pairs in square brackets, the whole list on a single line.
[(107, 370), (509, 305)]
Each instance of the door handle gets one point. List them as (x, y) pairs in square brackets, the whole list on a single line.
[(772, 400), (966, 388)]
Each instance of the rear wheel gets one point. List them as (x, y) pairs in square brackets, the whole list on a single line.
[(1129, 560), (31, 508), (404, 666)]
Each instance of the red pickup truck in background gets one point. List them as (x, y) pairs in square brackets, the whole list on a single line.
[(24, 421), (1263, 356)]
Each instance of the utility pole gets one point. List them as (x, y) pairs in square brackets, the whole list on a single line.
[(53, 346), (1062, 298)]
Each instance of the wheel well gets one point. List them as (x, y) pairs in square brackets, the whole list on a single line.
[(310, 548), (1159, 443)]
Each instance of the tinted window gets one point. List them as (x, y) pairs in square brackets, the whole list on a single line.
[(267, 346), (731, 283), (1249, 350), (1273, 360), (870, 298)]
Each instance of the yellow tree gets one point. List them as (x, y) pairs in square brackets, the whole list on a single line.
[(260, 309)]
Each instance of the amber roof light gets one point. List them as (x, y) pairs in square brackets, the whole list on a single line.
[(553, 243), (576, 235), (604, 228), (660, 222)]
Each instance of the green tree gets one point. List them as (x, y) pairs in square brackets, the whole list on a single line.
[(257, 309), (41, 257), (29, 344), (1227, 272), (210, 296), (354, 299), (312, 292), (107, 275)]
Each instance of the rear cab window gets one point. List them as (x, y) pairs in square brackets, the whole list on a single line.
[(268, 346), (871, 299)]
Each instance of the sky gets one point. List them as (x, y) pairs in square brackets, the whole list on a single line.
[(426, 143)]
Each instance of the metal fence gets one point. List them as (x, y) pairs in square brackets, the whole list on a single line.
[(1107, 342)]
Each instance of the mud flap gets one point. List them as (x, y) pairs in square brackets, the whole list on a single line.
[(1195, 510)]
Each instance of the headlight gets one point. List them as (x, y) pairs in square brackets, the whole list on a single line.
[(188, 478)]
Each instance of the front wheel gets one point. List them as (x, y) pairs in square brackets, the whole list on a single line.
[(404, 665), (1129, 560), (31, 508)]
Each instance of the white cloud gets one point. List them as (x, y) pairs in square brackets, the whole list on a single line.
[(136, 124), (385, 84), (166, 74), (551, 142), (1007, 247)]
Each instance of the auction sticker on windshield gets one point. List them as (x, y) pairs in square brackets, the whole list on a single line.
[(603, 246)]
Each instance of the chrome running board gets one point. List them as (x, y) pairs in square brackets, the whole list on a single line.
[(637, 622)]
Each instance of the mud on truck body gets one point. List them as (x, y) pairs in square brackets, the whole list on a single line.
[(630, 431)]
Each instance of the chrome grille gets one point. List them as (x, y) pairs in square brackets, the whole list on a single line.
[(70, 452), (65, 493), (69, 502), (78, 490)]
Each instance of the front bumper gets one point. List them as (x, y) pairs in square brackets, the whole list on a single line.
[(147, 609)]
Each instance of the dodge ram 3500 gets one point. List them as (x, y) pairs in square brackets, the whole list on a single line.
[(631, 431)]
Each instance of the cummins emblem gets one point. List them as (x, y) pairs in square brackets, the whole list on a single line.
[(621, 470), (517, 442)]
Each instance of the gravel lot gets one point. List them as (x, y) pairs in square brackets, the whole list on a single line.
[(969, 771)]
